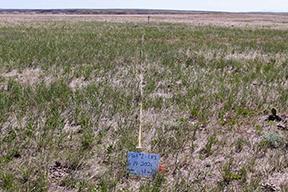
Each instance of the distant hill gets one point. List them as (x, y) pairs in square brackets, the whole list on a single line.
[(111, 11), (97, 11)]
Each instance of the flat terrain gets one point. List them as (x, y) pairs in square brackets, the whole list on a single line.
[(267, 20), (69, 101)]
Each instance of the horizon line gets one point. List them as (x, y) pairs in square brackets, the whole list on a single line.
[(147, 9)]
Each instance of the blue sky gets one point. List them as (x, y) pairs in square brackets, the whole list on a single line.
[(212, 5)]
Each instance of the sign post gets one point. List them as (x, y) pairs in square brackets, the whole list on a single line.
[(139, 163), (143, 164)]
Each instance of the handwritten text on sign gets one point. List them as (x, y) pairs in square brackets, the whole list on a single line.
[(143, 164)]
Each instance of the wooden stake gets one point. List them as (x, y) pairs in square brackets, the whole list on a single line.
[(141, 113), (141, 96)]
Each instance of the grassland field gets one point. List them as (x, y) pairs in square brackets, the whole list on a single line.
[(69, 105)]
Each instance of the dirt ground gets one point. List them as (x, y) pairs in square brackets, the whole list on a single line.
[(267, 20)]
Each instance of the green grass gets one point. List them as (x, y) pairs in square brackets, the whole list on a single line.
[(81, 107)]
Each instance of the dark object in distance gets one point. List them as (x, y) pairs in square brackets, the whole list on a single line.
[(273, 116), (17, 155)]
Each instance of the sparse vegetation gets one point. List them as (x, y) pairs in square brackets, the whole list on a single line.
[(69, 105)]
